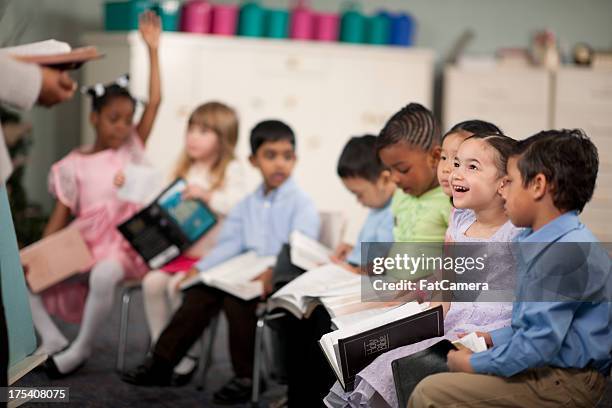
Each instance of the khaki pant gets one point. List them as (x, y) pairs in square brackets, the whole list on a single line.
[(537, 388)]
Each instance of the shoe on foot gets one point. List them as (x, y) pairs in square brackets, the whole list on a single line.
[(152, 372), (183, 378), (54, 373), (236, 391)]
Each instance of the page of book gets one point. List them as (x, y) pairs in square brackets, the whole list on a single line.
[(472, 342), (236, 275), (46, 47), (306, 252), (142, 184)]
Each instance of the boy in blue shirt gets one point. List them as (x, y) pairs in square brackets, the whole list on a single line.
[(557, 352), (309, 376), (261, 222)]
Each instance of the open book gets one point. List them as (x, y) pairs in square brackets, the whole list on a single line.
[(303, 294), (168, 226), (236, 275), (306, 252), (55, 258), (53, 53), (351, 349)]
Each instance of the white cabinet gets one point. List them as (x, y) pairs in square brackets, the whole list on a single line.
[(515, 99), (583, 99), (326, 92)]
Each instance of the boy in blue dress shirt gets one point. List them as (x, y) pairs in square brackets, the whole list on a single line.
[(557, 352), (261, 222)]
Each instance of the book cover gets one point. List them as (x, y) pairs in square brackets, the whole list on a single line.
[(358, 351), (168, 226)]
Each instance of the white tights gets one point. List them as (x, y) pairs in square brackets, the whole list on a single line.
[(103, 279)]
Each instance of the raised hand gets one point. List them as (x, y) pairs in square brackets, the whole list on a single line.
[(150, 29)]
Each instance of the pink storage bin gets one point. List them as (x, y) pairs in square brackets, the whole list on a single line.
[(327, 27), (224, 19), (302, 22), (196, 17)]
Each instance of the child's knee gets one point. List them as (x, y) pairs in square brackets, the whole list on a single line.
[(154, 283), (105, 275)]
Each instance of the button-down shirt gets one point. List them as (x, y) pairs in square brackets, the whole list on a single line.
[(263, 222), (378, 227), (566, 334)]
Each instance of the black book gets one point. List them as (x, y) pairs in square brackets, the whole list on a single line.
[(168, 226), (351, 354), (410, 370)]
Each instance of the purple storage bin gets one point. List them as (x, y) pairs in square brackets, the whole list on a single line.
[(224, 19), (327, 27), (196, 17), (302, 22)]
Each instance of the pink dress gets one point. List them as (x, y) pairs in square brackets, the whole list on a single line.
[(84, 182)]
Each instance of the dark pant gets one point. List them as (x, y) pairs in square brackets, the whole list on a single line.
[(309, 376), (200, 304)]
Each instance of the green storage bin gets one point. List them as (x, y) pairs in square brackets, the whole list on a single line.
[(170, 13), (252, 20), (123, 16), (353, 26), (378, 29), (277, 24)]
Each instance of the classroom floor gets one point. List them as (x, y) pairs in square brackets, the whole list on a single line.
[(97, 384)]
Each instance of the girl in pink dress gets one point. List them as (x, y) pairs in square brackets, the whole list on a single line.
[(84, 184)]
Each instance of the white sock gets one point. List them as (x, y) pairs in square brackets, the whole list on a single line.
[(175, 297), (103, 279), (186, 364), (156, 306), (52, 339)]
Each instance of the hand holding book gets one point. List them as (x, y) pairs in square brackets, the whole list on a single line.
[(459, 360)]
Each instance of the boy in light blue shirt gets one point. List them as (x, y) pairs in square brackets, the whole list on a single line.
[(557, 351), (261, 222), (309, 376)]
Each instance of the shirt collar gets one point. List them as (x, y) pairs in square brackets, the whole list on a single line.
[(549, 233), (287, 187)]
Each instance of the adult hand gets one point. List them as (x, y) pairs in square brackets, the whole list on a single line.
[(57, 86)]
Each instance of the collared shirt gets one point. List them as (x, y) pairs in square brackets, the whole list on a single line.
[(263, 222), (420, 219), (378, 227), (565, 334)]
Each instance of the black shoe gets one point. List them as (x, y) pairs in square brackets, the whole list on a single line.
[(54, 373), (178, 380), (236, 391), (151, 373)]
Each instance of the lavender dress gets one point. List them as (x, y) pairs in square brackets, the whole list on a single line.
[(374, 386)]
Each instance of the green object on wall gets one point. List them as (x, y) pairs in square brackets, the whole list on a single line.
[(378, 29), (123, 15), (170, 13), (277, 24), (252, 20), (353, 27)]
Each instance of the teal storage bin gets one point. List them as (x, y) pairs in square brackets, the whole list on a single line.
[(252, 20), (123, 16), (353, 27), (277, 25), (378, 29), (170, 13)]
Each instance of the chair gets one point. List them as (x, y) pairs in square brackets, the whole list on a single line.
[(330, 235), (129, 287)]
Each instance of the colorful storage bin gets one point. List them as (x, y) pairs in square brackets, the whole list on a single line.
[(252, 20), (224, 19), (402, 29), (353, 27), (378, 29), (196, 17), (326, 27), (170, 13), (277, 23), (123, 15), (302, 22)]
